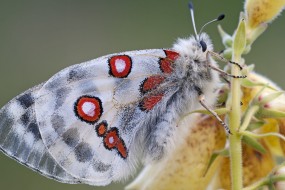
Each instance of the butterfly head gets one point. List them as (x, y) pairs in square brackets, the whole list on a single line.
[(199, 36), (191, 47)]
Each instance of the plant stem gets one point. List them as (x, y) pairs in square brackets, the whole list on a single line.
[(239, 44), (235, 138)]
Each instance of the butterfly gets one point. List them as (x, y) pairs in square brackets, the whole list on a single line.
[(94, 122)]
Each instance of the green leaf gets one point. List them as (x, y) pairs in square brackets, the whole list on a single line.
[(239, 39), (246, 82), (249, 114), (254, 144), (224, 152), (226, 38), (270, 113), (227, 53), (255, 125)]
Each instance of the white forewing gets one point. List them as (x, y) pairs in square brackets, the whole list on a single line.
[(74, 143)]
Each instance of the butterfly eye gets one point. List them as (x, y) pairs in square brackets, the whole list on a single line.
[(203, 45)]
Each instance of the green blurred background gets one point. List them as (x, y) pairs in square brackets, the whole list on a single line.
[(38, 38)]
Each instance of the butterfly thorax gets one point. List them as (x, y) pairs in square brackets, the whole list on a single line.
[(192, 75)]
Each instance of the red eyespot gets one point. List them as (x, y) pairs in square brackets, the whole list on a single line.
[(113, 141), (120, 66), (101, 128), (88, 109)]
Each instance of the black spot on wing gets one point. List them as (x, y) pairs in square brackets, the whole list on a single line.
[(34, 129), (87, 87), (26, 100), (57, 123), (76, 74), (71, 137), (26, 118), (61, 95), (55, 83), (100, 166), (83, 152)]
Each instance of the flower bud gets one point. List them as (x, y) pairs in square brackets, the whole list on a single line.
[(258, 14), (262, 11)]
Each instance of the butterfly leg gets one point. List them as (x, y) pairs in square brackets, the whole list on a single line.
[(220, 70), (226, 80), (225, 73), (202, 102), (218, 56)]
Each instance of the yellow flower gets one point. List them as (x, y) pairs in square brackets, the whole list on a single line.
[(274, 143), (262, 11), (258, 14)]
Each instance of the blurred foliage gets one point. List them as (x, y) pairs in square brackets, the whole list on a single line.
[(40, 37)]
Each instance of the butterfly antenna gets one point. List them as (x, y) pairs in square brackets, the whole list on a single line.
[(220, 17), (191, 8)]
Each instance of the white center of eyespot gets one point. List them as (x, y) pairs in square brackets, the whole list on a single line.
[(89, 108), (111, 140), (120, 65)]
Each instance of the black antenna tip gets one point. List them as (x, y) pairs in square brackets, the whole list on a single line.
[(190, 5), (221, 17)]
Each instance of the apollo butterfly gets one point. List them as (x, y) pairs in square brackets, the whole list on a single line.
[(95, 121)]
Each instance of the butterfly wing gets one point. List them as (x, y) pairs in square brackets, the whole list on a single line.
[(21, 140), (79, 113)]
